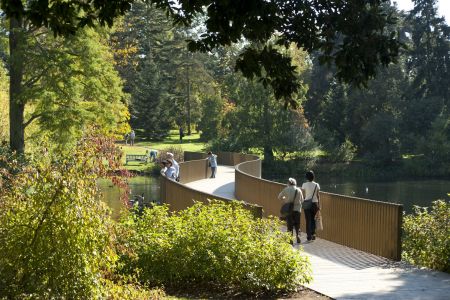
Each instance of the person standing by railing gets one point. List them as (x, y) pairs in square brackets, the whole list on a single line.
[(311, 204), (212, 161), (292, 194), (174, 164), (168, 170)]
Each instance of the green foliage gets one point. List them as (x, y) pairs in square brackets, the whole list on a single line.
[(218, 243), (369, 41), (129, 291), (436, 144), (72, 85), (164, 79), (252, 118), (56, 234), (428, 61), (399, 111), (346, 152), (212, 114), (177, 152), (150, 109), (380, 138), (426, 236)]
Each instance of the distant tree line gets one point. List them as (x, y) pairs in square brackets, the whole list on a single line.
[(404, 110), (140, 71)]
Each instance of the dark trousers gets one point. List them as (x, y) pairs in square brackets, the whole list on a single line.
[(213, 172), (310, 221), (293, 223)]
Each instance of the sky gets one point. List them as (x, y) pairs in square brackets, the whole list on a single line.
[(443, 7)]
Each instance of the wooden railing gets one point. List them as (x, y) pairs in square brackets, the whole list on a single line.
[(363, 224), (179, 196)]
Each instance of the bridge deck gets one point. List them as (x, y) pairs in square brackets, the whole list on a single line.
[(345, 273)]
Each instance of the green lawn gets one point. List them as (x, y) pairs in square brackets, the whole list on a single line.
[(190, 143)]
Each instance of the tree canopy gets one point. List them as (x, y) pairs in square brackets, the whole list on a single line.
[(353, 34)]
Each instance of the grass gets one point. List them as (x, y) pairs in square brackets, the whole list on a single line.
[(190, 143)]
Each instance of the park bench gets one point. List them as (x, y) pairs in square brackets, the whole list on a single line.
[(136, 157)]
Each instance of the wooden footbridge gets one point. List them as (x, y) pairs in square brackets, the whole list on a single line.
[(357, 255)]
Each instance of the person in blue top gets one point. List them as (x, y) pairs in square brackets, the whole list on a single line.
[(212, 161)]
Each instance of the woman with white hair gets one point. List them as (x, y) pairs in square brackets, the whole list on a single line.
[(175, 164), (292, 194), (168, 170)]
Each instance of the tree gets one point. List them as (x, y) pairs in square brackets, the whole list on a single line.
[(195, 80), (145, 36), (4, 120), (351, 34), (435, 145), (429, 65), (259, 121), (149, 108), (212, 116), (68, 85)]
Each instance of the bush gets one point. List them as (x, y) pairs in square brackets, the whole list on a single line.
[(129, 291), (346, 152), (54, 231), (218, 243), (56, 235), (426, 235), (177, 151)]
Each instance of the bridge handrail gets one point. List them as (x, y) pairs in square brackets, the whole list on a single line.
[(363, 224), (180, 196)]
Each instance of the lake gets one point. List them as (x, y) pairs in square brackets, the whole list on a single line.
[(146, 185), (406, 192)]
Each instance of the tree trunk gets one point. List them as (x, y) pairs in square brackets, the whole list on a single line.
[(188, 104), (268, 150), (16, 105)]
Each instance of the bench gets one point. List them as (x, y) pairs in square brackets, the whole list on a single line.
[(136, 157)]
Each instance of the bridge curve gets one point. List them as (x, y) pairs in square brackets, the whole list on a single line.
[(366, 225), (340, 272)]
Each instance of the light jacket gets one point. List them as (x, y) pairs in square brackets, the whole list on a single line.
[(287, 196)]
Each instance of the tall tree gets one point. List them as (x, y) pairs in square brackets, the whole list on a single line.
[(68, 85), (150, 110), (429, 66)]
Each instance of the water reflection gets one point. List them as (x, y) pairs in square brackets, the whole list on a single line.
[(408, 193), (139, 185)]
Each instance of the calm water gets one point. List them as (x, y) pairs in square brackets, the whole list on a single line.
[(147, 185), (407, 192)]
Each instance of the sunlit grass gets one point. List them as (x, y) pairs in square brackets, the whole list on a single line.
[(411, 156), (190, 143)]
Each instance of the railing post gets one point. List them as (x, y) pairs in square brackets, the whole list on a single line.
[(399, 233)]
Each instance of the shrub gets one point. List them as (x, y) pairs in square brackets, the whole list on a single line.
[(220, 243), (177, 151), (55, 232), (129, 291), (426, 235), (346, 152)]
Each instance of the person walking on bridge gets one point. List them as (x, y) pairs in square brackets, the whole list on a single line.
[(311, 204), (212, 161), (292, 194)]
